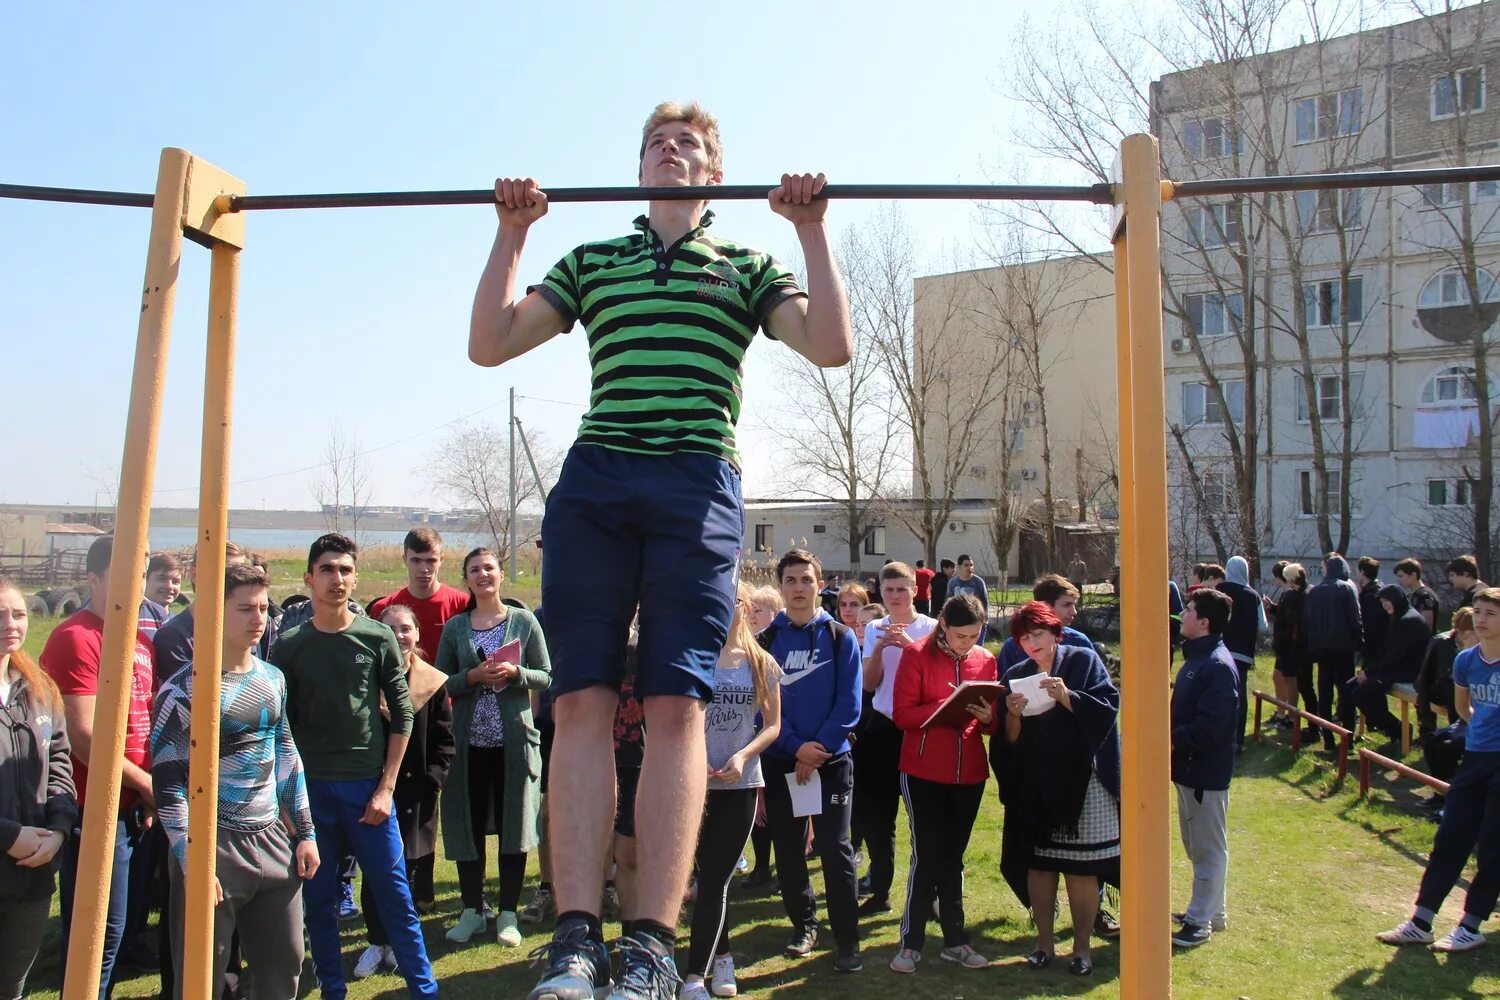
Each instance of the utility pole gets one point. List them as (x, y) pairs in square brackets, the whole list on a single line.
[(511, 530)]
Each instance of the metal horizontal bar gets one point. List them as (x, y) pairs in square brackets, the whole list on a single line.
[(1099, 194), (78, 196), (1346, 179)]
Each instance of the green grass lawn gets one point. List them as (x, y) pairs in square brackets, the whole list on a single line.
[(1314, 874)]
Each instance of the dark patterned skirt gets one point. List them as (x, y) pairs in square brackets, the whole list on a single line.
[(1095, 849)]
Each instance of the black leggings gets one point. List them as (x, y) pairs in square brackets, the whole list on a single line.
[(1335, 668), (941, 818), (726, 826), (486, 788)]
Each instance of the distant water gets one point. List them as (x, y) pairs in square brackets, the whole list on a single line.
[(258, 539)]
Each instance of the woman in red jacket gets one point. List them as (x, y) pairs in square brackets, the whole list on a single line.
[(943, 771)]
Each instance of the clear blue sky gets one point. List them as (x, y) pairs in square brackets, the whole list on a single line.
[(360, 316)]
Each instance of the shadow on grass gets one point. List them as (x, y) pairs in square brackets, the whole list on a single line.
[(1410, 972)]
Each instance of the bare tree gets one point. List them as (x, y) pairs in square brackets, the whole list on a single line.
[(471, 468), (835, 450), (940, 393), (341, 486), (1459, 230)]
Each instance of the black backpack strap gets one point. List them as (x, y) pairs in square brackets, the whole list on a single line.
[(767, 636)]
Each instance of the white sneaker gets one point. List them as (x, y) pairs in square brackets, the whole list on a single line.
[(742, 865), (1405, 932), (723, 977), (369, 962), (1459, 938), (470, 922), (693, 990)]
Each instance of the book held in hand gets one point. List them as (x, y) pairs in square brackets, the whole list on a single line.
[(954, 711)]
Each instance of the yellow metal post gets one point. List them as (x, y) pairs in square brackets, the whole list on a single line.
[(1145, 896), (208, 626), (128, 566)]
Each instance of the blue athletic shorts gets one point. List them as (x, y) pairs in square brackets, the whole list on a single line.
[(663, 531)]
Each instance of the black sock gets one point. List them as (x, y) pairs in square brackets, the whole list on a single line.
[(596, 929), (545, 886), (666, 935), (627, 927), (1424, 925)]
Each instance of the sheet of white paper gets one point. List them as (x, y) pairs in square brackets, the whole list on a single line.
[(807, 800), (1037, 700)]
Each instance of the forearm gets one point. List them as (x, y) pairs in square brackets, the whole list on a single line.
[(1012, 728), (495, 301), (763, 740), (136, 777), (395, 749), (830, 339)]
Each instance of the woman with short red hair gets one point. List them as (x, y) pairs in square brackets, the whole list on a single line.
[(1058, 759)]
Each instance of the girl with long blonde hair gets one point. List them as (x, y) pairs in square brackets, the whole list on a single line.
[(747, 689)]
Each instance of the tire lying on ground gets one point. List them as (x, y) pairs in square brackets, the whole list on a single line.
[(63, 602), (36, 606)]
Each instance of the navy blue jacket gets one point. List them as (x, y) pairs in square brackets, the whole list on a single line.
[(1205, 704), (821, 682), (1330, 614)]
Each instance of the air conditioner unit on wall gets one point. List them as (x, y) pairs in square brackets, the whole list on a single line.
[(1028, 474), (957, 525), (1179, 345), (1029, 406)]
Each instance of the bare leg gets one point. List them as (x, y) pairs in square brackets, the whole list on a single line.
[(1042, 887), (625, 876), (668, 806), (1083, 903), (581, 802), (544, 848)]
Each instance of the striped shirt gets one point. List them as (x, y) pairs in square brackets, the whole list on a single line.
[(668, 328), (260, 772)]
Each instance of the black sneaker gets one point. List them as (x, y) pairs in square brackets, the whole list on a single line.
[(1105, 924), (577, 965), (864, 887), (647, 971), (1192, 935), (874, 906), (802, 942), (852, 962)]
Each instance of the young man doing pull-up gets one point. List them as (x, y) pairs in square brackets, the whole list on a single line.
[(650, 498)]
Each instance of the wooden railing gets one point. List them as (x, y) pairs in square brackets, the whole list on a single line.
[(1346, 737)]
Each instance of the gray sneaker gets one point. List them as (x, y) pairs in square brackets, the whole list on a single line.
[(577, 965), (647, 971)]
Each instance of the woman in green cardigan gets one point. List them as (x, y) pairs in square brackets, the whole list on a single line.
[(493, 786)]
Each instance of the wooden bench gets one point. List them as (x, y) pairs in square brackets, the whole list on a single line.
[(1407, 696)]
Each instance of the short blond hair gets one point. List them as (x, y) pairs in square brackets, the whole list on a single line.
[(697, 118), (767, 597), (1294, 573)]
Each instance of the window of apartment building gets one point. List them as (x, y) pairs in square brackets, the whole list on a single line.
[(1200, 404), (1211, 314), (875, 540), (1449, 493), (1332, 484), (1323, 302), (1323, 211), (765, 539), (1218, 491), (1461, 90), (820, 529), (1214, 225), (1330, 396), (1210, 138), (1454, 387), (1329, 115), (1449, 288), (1444, 195)]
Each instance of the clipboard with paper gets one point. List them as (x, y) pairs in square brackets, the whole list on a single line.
[(954, 709)]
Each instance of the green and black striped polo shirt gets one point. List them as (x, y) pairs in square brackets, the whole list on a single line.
[(668, 328)]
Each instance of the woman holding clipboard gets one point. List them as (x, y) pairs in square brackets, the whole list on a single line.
[(1057, 758), (945, 696), (494, 656)]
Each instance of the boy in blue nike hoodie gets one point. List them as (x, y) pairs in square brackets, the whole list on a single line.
[(820, 705)]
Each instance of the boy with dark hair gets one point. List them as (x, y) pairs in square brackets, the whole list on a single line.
[(1204, 713), (820, 705), (1210, 574), (946, 569), (923, 601), (337, 667), (71, 659), (431, 600), (650, 496), (969, 582), (1470, 818), (1420, 596), (1463, 576), (1375, 622), (261, 863), (1059, 594)]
